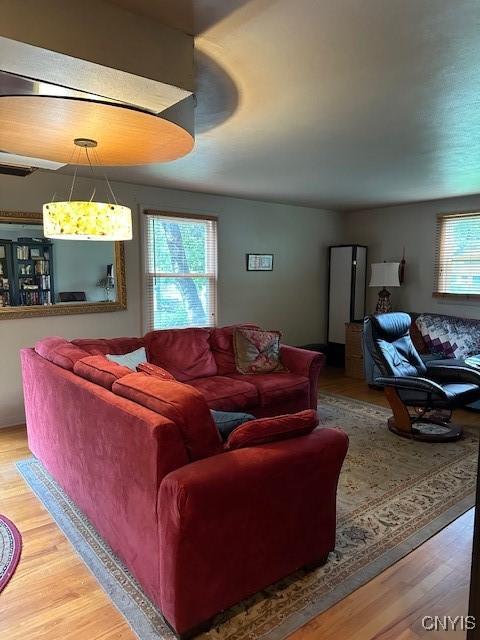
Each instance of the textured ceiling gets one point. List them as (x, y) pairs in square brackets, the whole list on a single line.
[(335, 103), (190, 16)]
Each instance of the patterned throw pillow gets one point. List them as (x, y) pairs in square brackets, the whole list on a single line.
[(257, 351), (449, 336)]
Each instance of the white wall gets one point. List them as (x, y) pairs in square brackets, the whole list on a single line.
[(386, 231), (292, 298), (79, 265)]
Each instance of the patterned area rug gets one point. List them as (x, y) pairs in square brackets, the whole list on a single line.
[(394, 494), (10, 549)]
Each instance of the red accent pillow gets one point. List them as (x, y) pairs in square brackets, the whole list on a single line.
[(100, 370), (263, 430), (153, 370)]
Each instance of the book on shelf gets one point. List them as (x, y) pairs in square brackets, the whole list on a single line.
[(23, 252), (42, 267), (30, 297), (44, 281)]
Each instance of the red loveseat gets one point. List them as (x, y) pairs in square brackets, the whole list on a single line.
[(204, 359), (141, 457)]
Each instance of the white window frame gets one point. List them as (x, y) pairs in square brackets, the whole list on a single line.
[(441, 276), (149, 276)]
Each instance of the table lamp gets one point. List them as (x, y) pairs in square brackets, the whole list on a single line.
[(384, 274), (108, 282)]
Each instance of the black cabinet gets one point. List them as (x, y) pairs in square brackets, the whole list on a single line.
[(26, 273), (33, 272), (346, 295), (7, 295)]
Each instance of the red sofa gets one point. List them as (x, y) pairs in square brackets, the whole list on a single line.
[(204, 359), (143, 460)]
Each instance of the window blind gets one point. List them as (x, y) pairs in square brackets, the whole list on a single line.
[(457, 255), (180, 271)]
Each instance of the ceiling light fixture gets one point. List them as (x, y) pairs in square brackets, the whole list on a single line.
[(87, 220)]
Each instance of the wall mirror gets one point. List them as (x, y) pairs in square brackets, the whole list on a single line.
[(40, 276)]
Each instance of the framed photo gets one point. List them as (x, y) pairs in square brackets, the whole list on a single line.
[(35, 253), (259, 261)]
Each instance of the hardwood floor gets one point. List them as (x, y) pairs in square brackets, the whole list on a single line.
[(432, 580), (53, 595)]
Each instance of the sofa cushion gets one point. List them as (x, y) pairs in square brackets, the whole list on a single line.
[(60, 351), (256, 432), (153, 370), (276, 387), (102, 346), (225, 394), (100, 370), (221, 342), (131, 359), (181, 403), (184, 352), (256, 350)]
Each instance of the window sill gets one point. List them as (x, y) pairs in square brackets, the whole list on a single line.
[(457, 296)]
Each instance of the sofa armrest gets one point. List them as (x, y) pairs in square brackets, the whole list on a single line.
[(304, 363), (447, 373), (232, 524), (107, 453)]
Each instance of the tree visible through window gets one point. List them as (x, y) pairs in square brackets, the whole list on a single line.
[(180, 271), (457, 260)]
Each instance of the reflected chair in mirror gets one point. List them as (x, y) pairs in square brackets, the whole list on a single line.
[(422, 397)]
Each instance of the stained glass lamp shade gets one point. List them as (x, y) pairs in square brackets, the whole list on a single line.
[(76, 220), (88, 219)]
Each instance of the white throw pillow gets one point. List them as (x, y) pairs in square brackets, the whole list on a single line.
[(130, 360)]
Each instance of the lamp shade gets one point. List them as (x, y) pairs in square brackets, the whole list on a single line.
[(88, 220), (385, 274)]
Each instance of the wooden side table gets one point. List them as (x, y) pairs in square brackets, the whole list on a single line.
[(353, 350)]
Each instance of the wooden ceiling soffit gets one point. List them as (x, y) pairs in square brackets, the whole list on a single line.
[(99, 48), (46, 127)]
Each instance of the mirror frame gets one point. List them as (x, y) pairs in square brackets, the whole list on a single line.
[(120, 304)]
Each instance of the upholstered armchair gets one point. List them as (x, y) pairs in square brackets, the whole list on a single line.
[(431, 390)]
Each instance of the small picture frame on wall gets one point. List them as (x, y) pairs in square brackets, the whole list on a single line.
[(259, 261)]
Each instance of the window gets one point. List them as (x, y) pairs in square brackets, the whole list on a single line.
[(180, 270), (457, 255)]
